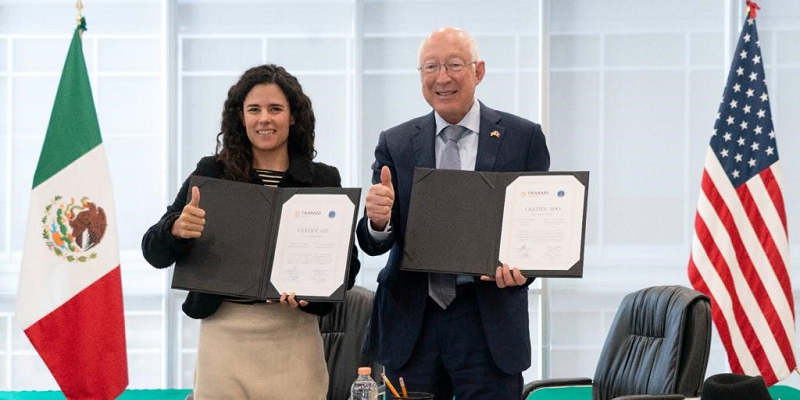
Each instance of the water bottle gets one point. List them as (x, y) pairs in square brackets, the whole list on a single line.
[(364, 388)]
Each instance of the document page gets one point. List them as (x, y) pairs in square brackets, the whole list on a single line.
[(542, 222), (312, 247)]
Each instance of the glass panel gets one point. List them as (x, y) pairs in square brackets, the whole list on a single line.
[(201, 115), (32, 99), (391, 53), (567, 362), (29, 372), (101, 18), (188, 361), (633, 193), (3, 58), (309, 54), (706, 50), (4, 384), (574, 142), (5, 320), (190, 332), (785, 96), (143, 332), (273, 17), (25, 156), (19, 342), (328, 95), (40, 55), (138, 55), (138, 201), (129, 105), (145, 370), (639, 50), (574, 51), (229, 54)]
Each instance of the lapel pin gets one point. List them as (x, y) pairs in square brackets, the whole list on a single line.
[(495, 134)]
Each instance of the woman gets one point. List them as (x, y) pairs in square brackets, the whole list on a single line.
[(251, 350)]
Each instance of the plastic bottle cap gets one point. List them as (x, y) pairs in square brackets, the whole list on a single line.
[(364, 370)]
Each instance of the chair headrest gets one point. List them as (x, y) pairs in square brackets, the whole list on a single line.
[(735, 387)]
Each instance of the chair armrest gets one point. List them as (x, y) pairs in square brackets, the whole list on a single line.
[(651, 397), (535, 385)]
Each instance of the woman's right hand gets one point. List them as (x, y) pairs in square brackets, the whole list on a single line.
[(190, 224)]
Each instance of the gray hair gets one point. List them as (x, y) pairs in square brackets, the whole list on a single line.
[(472, 45)]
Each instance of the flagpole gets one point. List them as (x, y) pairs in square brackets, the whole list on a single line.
[(79, 19)]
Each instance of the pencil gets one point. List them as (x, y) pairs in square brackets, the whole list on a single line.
[(389, 385), (403, 387)]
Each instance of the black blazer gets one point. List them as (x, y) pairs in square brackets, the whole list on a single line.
[(402, 295), (161, 249)]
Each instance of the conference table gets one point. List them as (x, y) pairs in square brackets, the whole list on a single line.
[(143, 394), (778, 392)]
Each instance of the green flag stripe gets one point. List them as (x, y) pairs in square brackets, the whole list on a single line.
[(73, 129)]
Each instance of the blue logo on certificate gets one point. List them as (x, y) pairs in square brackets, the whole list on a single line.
[(560, 193), (331, 214)]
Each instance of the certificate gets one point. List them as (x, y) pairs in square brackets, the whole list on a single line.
[(310, 256), (470, 222), (542, 222), (259, 241)]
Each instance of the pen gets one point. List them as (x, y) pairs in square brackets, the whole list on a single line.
[(403, 387), (389, 385)]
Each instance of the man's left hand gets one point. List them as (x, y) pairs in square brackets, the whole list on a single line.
[(506, 276)]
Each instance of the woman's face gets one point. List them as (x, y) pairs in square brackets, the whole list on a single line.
[(267, 117)]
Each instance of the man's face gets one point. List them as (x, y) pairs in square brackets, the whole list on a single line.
[(450, 93)]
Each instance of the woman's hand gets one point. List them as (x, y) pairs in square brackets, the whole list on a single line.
[(291, 301), (190, 224)]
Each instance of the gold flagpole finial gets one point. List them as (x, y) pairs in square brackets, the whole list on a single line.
[(79, 6), (79, 19)]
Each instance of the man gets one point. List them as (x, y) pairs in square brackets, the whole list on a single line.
[(475, 345)]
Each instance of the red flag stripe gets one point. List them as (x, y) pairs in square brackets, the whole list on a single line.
[(716, 313), (776, 277), (775, 193), (751, 293), (83, 341), (752, 239), (725, 291)]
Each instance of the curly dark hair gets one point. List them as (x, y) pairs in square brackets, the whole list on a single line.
[(233, 146)]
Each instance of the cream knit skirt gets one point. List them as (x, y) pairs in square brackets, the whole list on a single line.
[(260, 351)]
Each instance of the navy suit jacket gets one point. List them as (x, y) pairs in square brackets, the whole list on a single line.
[(401, 297)]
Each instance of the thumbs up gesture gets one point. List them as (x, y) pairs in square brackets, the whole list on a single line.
[(193, 218), (380, 199)]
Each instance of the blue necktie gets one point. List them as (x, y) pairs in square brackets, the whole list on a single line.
[(442, 287)]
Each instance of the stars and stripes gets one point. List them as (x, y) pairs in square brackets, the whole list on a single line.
[(740, 252)]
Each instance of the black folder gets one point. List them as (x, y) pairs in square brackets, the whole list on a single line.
[(455, 220), (234, 255)]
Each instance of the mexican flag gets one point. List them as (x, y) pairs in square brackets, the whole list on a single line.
[(69, 301)]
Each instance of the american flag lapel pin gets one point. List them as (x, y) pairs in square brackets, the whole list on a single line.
[(495, 134)]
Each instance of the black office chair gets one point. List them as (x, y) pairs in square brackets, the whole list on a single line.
[(657, 348), (342, 334)]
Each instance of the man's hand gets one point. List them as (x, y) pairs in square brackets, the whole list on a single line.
[(379, 201), (193, 218), (505, 277), (289, 299)]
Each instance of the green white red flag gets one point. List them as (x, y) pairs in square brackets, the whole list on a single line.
[(69, 301)]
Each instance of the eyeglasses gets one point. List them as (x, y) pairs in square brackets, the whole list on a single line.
[(433, 68)]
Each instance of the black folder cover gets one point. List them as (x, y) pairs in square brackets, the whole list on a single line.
[(234, 255), (455, 220)]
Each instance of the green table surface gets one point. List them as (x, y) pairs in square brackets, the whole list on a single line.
[(778, 392), (166, 394)]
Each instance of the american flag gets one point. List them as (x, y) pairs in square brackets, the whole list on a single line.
[(740, 252)]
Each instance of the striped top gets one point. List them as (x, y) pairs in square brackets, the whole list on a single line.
[(269, 177)]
